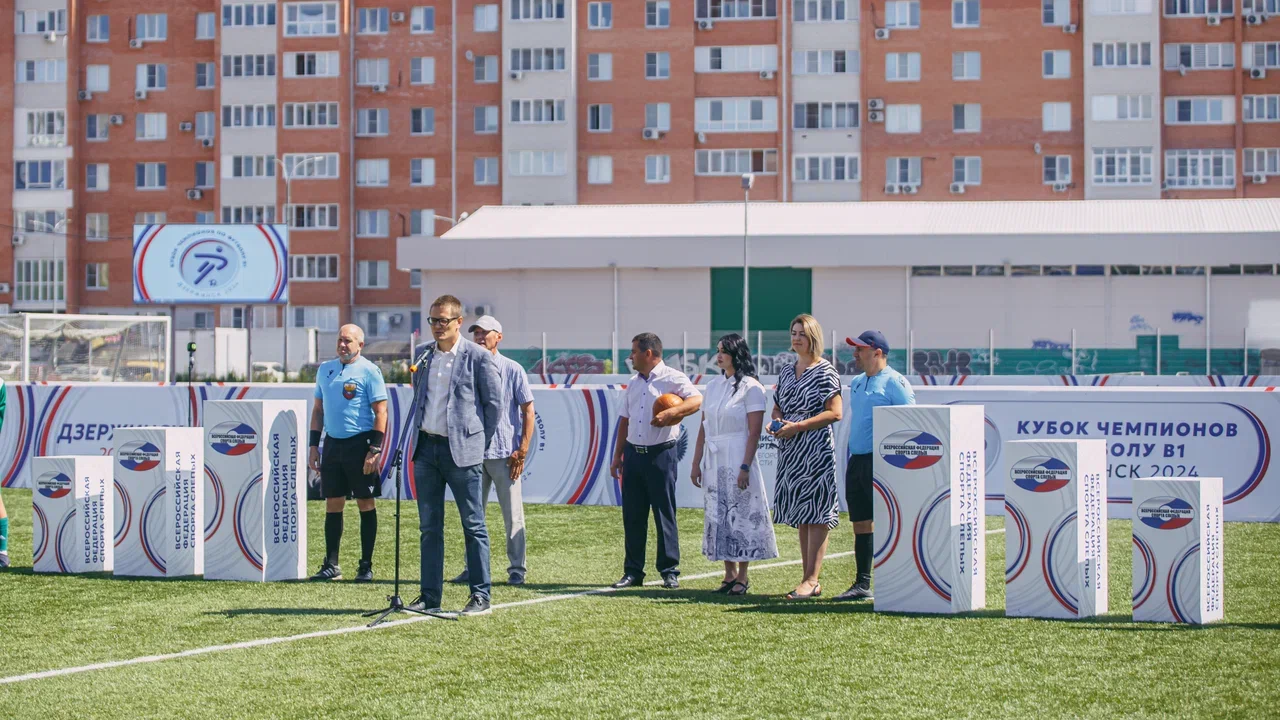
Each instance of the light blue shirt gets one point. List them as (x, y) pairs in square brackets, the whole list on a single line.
[(887, 387), (515, 392), (348, 392)]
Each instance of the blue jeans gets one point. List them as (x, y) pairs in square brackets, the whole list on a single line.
[(433, 469)]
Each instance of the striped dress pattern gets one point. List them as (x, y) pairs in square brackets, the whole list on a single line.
[(805, 493)]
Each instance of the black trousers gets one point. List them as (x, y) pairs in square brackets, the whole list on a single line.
[(649, 481)]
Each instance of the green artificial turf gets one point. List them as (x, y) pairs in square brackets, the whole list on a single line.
[(643, 652)]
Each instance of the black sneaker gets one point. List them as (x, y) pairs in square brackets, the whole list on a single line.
[(4, 560), (478, 605), (670, 582), (364, 574), (859, 591), (424, 604), (328, 572), (463, 578)]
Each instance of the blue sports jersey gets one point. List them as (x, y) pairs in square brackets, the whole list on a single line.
[(887, 387), (348, 392)]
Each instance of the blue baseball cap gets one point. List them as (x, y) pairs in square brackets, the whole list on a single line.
[(870, 338)]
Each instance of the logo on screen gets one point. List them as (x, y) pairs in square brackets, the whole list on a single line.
[(139, 456), (1166, 513), (911, 449), (1041, 474), (233, 438), (209, 263), (53, 485)]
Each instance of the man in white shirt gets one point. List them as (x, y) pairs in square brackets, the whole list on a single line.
[(645, 460)]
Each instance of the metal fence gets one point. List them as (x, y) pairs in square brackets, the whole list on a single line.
[(85, 348)]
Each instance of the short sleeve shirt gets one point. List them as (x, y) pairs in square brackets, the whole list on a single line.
[(637, 404), (515, 392), (887, 387), (348, 392)]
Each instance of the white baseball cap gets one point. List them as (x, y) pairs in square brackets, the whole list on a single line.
[(486, 322)]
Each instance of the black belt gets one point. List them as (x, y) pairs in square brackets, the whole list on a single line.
[(646, 449), (431, 437)]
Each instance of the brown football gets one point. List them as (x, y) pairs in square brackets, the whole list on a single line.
[(666, 402)]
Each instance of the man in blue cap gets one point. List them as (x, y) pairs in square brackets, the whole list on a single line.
[(878, 385)]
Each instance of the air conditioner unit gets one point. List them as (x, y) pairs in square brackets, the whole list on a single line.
[(705, 24), (910, 189), (766, 74), (516, 74), (882, 33), (1213, 20), (194, 194), (379, 88), (4, 287), (135, 43), (1060, 187), (397, 17), (1259, 179), (651, 134), (19, 240), (1070, 28), (396, 319), (482, 310), (117, 119), (891, 189), (51, 37), (875, 104), (84, 95), (1255, 19), (875, 116), (957, 188), (1257, 73), (185, 127), (206, 142), (139, 94)]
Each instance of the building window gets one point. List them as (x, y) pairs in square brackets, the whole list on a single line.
[(1262, 161), (1261, 54), (1125, 7), (248, 116), (1199, 56), (966, 65), (371, 21), (735, 9), (422, 172), (97, 78), (486, 171), (206, 26), (1195, 8), (97, 177), (965, 13), (312, 217), (825, 116), (206, 74), (41, 71), (902, 67), (372, 274), (151, 126), (735, 162), (38, 280), (902, 14), (422, 71), (526, 163), (312, 64), (95, 276), (966, 170), (1199, 111), (151, 27), (540, 111), (40, 175), (303, 19), (1057, 169), (96, 226), (600, 118), (421, 222), (486, 119), (486, 70), (313, 267), (150, 176), (902, 170), (422, 121), (373, 71), (1056, 64), (1056, 116), (96, 128), (206, 173), (1122, 166), (320, 317), (46, 127), (537, 10), (1114, 108), (42, 221), (600, 66), (98, 28), (422, 20), (657, 65), (820, 62), (249, 166), (372, 223), (1120, 54), (311, 166), (657, 14), (658, 116), (1200, 168), (373, 173), (486, 18), (1055, 12), (248, 66), (600, 15), (966, 118), (657, 168), (822, 11), (537, 59), (736, 114), (1261, 108), (152, 77), (599, 170), (251, 214), (248, 14), (311, 115), (371, 121), (827, 168), (902, 119)]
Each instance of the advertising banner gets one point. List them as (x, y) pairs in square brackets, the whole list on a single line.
[(72, 515), (159, 502), (234, 264), (1177, 550)]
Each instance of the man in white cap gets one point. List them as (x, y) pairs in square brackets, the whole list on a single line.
[(504, 460)]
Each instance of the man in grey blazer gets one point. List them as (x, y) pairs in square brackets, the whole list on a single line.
[(457, 398)]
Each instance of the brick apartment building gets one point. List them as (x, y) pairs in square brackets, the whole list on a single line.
[(360, 121)]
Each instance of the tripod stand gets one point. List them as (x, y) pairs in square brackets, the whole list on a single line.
[(396, 605)]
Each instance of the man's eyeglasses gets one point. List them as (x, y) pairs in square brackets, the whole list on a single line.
[(437, 322)]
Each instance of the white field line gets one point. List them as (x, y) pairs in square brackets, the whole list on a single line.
[(997, 531), (346, 630)]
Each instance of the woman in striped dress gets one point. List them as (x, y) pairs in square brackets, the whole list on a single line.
[(806, 405)]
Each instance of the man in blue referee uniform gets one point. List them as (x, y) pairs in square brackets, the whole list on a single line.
[(351, 412), (877, 386)]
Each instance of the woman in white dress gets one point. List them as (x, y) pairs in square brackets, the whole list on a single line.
[(738, 529)]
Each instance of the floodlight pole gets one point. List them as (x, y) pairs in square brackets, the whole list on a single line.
[(748, 179)]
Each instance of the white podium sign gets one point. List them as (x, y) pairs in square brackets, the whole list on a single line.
[(252, 452), (71, 518), (1056, 528), (1177, 550), (159, 490), (930, 481)]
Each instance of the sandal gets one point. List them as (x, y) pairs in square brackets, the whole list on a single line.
[(725, 586), (793, 595), (745, 587)]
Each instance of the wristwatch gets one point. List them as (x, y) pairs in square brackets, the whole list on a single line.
[(744, 467), (375, 450)]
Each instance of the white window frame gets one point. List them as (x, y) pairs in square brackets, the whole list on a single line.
[(206, 26), (599, 170), (826, 115), (823, 11), (657, 169), (599, 15), (1056, 170), (426, 121), (537, 10), (97, 78), (1055, 13), (902, 14), (98, 29), (486, 69), (966, 65), (1203, 110), (970, 117), (734, 162), (902, 67), (657, 116), (542, 59), (486, 171), (1123, 159), (249, 14), (741, 114), (902, 119), (657, 66), (97, 177), (422, 20), (318, 64), (1055, 64), (38, 72), (372, 122), (95, 276), (966, 14), (1201, 8), (485, 18), (152, 77), (600, 118), (966, 170), (151, 27), (320, 216), (1119, 7), (97, 227), (823, 62), (421, 222), (206, 174), (422, 71), (1122, 108), (296, 26), (1199, 56), (1260, 108), (151, 126), (1261, 161), (539, 111), (373, 274), (1260, 55), (657, 14), (1207, 169), (313, 268), (372, 21), (903, 171), (1055, 117), (206, 75), (373, 71), (485, 120), (601, 64), (373, 172), (734, 10), (827, 168), (1108, 55), (422, 172), (373, 223), (537, 163), (238, 117), (294, 112), (97, 127), (155, 176), (312, 166)]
